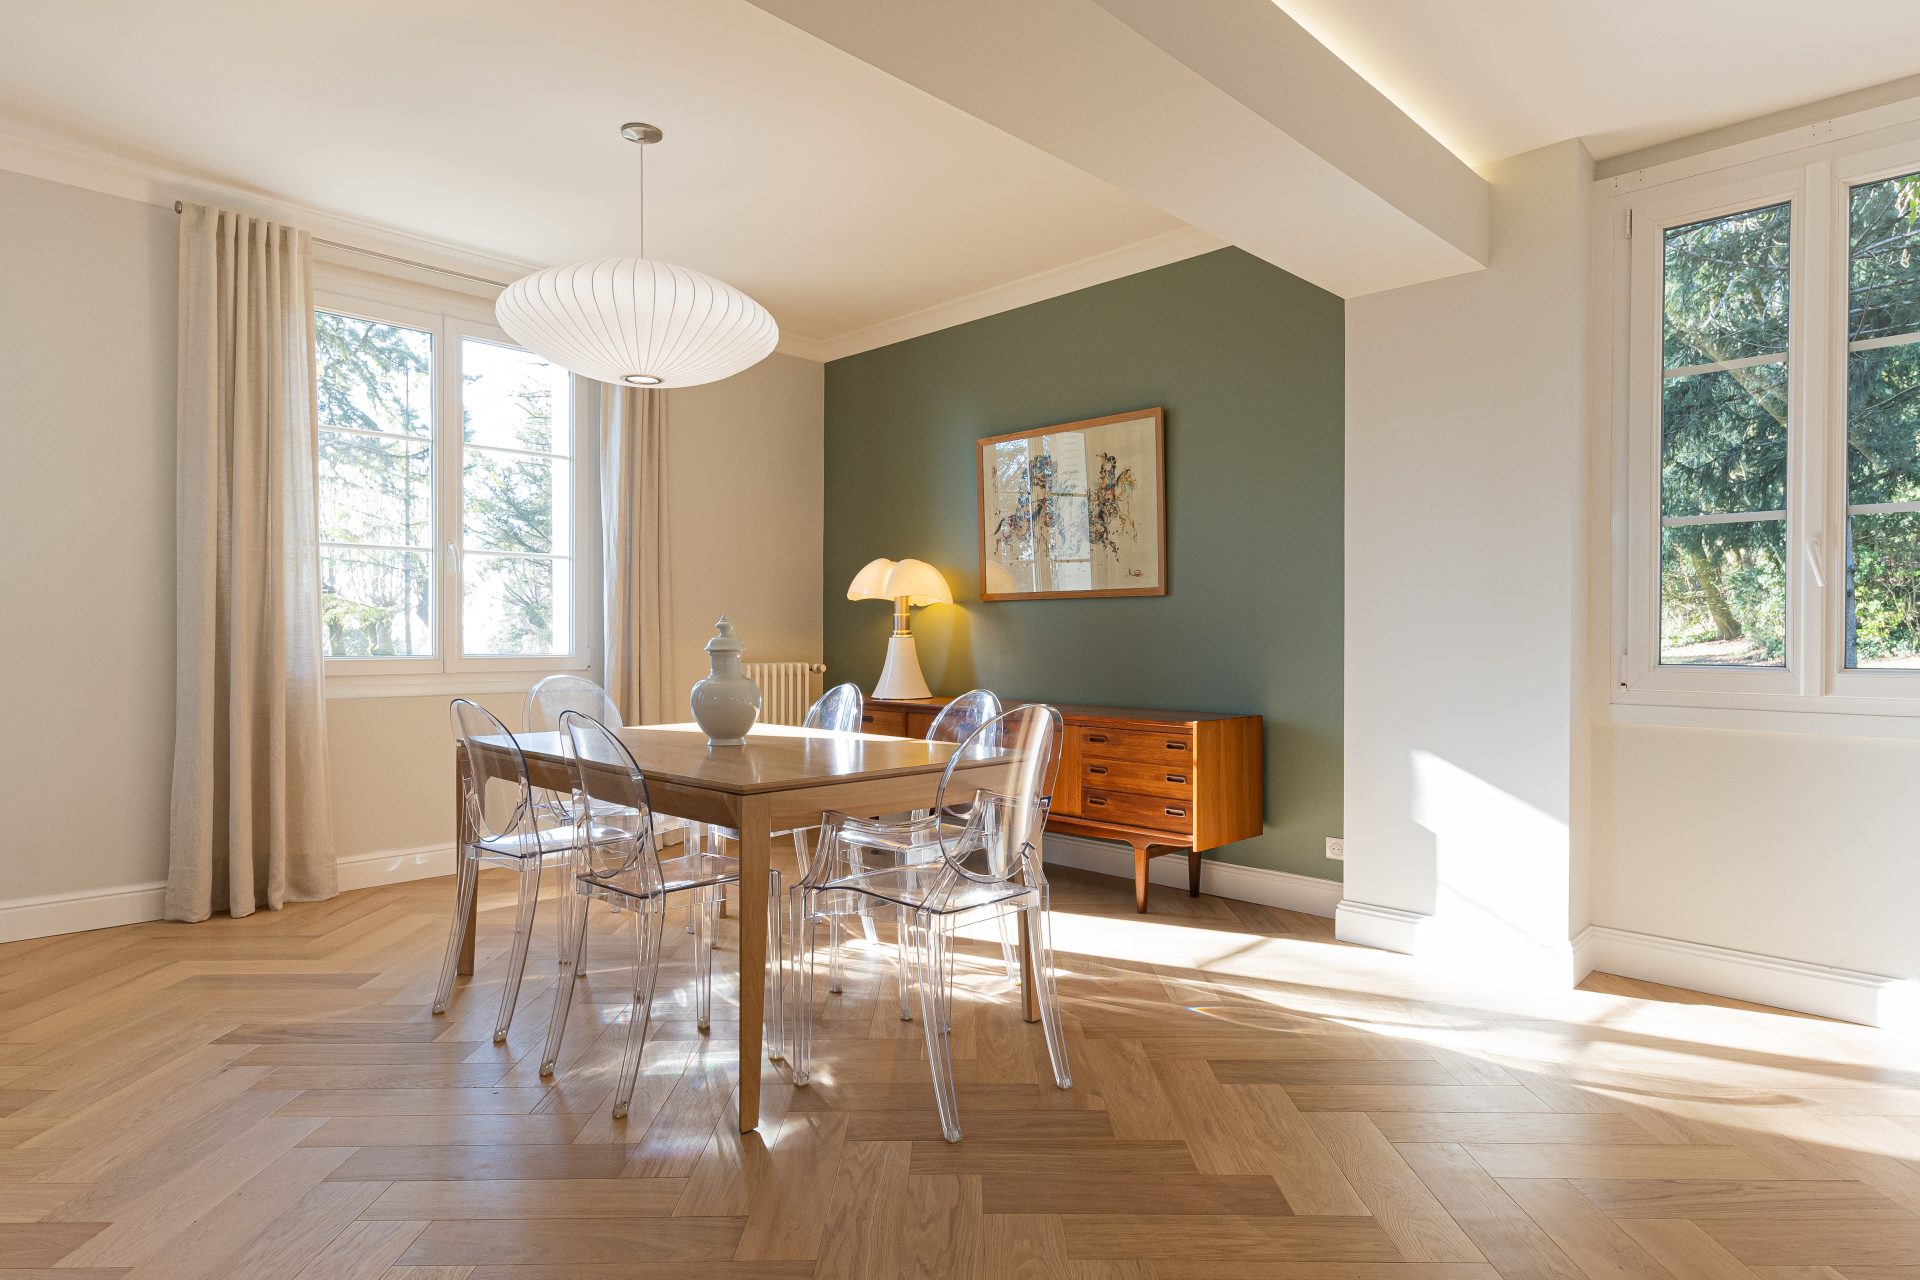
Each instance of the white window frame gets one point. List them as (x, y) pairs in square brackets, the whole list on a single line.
[(451, 318), (1814, 170)]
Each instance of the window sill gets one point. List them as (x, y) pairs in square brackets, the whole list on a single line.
[(434, 684), (1830, 716)]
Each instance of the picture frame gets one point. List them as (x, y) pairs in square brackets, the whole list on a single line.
[(1074, 511)]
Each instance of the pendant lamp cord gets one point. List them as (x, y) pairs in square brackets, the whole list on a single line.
[(643, 199)]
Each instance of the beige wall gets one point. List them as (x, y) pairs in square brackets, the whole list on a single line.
[(87, 298), (87, 341), (748, 472), (1465, 608)]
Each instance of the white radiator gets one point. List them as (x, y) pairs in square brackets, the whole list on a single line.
[(787, 689)]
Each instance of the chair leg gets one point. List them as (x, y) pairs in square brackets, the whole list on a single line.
[(833, 955), (775, 1032), (703, 958), (465, 877), (933, 1020), (1039, 937), (803, 1007), (649, 921), (1009, 952), (572, 908), (904, 979), (522, 940)]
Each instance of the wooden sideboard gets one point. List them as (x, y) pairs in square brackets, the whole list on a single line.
[(1157, 781)]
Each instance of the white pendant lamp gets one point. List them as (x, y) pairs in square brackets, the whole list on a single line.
[(634, 321)]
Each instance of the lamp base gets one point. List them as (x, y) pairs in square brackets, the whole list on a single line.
[(901, 677)]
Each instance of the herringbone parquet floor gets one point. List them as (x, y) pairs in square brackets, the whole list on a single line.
[(269, 1097)]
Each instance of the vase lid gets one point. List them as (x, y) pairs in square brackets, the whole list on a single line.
[(724, 641)]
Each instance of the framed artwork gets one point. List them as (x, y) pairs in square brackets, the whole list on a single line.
[(1075, 510)]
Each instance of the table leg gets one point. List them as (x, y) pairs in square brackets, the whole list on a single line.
[(459, 846), (756, 851)]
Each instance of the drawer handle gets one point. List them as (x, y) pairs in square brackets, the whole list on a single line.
[(1097, 768), (1096, 737), (1176, 744), (1096, 800), (866, 719), (1176, 777), (1175, 813)]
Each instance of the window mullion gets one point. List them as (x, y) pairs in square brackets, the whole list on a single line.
[(1809, 585), (447, 463)]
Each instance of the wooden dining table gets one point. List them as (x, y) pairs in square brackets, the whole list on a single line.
[(781, 778)]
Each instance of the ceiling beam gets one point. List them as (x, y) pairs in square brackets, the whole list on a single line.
[(1227, 115)]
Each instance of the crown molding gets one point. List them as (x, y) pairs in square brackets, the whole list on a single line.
[(1128, 259), (56, 157)]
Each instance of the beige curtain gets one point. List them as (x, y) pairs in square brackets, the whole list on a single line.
[(633, 511), (250, 821)]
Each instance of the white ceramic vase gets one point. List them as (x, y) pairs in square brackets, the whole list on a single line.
[(727, 702)]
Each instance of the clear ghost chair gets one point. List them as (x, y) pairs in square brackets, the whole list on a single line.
[(619, 864), (505, 827), (554, 696), (957, 722), (986, 863)]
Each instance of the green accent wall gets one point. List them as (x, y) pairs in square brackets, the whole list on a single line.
[(1247, 360)]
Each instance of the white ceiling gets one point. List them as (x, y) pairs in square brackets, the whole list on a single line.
[(1494, 78), (836, 195)]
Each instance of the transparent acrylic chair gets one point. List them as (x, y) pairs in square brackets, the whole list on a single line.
[(505, 827), (986, 863), (956, 722), (619, 864), (553, 697)]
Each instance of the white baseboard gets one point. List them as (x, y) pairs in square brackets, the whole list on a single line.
[(1221, 879), (42, 917), (1368, 924), (1847, 994), (1470, 947), (393, 866)]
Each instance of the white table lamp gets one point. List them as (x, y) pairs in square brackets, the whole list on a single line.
[(909, 584)]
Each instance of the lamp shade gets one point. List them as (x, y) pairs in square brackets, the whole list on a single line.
[(871, 582), (637, 322), (919, 581)]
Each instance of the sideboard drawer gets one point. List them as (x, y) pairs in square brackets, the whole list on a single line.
[(1160, 778), (1099, 742), (1161, 813), (884, 720)]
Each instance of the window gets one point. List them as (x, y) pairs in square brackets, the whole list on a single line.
[(1769, 550), (1723, 440), (448, 520), (1883, 425)]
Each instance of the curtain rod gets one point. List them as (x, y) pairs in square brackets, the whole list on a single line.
[(179, 205)]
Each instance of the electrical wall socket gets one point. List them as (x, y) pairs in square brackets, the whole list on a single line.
[(1336, 848)]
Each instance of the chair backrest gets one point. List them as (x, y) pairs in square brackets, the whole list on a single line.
[(999, 812), (555, 695), (493, 772), (610, 797), (839, 708), (959, 718)]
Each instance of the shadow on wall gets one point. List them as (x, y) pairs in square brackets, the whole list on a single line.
[(956, 671), (1500, 865)]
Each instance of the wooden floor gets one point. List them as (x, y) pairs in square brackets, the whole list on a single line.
[(269, 1097)]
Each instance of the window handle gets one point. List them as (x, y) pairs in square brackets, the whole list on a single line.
[(1813, 562)]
